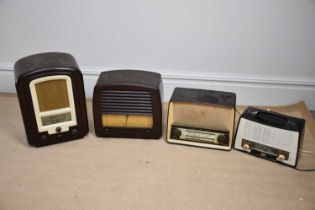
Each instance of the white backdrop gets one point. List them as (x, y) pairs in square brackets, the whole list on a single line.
[(262, 50)]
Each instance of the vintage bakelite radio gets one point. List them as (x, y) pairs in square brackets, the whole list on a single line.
[(52, 100), (203, 118), (270, 135), (128, 103)]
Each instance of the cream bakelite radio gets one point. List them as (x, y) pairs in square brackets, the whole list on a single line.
[(52, 99), (203, 118), (270, 135)]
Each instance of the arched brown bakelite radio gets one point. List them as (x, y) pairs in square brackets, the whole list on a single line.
[(52, 99), (127, 103)]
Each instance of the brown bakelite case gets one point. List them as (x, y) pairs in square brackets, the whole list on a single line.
[(127, 104), (52, 100)]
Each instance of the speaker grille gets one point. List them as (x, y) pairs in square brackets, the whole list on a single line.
[(52, 95), (206, 116), (128, 109), (126, 102)]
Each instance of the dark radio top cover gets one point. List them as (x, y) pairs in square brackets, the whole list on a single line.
[(204, 96), (274, 119), (41, 62)]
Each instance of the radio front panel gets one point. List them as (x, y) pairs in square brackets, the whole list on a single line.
[(267, 142), (53, 103), (200, 125)]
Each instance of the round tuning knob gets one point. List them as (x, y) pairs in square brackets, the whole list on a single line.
[(222, 139), (246, 147), (281, 157), (58, 129), (43, 138), (74, 131), (177, 133)]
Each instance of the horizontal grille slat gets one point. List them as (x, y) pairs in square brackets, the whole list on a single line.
[(125, 92), (126, 95), (126, 102), (126, 98), (126, 108), (128, 112)]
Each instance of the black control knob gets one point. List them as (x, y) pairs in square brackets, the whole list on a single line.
[(176, 133), (74, 131), (223, 140), (58, 129), (43, 138)]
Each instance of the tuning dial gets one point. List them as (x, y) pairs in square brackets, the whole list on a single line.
[(281, 157), (246, 147)]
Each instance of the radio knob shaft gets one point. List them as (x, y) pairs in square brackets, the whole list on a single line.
[(281, 157)]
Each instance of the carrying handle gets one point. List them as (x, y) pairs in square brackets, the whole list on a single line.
[(270, 118)]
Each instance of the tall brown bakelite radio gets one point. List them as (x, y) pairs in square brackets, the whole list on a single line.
[(52, 99)]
